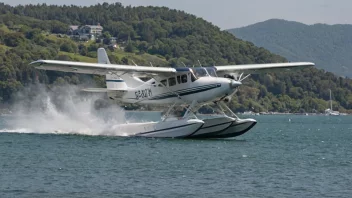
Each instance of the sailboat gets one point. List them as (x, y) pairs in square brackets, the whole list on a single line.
[(330, 111)]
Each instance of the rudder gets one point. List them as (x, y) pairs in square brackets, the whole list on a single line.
[(113, 81), (103, 56)]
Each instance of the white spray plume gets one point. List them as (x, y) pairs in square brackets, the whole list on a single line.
[(64, 110)]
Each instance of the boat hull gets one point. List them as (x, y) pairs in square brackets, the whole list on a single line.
[(213, 125), (167, 129), (236, 127)]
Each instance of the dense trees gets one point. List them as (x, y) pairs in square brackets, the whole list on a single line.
[(159, 35)]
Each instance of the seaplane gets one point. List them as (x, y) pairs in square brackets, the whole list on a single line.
[(188, 87)]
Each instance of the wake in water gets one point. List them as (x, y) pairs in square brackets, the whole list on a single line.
[(64, 110)]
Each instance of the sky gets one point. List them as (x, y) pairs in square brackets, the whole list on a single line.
[(238, 13)]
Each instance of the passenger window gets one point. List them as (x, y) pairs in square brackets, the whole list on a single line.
[(184, 78), (172, 81), (179, 79), (163, 82)]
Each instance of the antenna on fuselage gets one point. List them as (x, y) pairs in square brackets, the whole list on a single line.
[(134, 63), (200, 64), (151, 64), (184, 64)]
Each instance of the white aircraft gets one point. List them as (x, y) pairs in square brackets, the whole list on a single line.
[(176, 86)]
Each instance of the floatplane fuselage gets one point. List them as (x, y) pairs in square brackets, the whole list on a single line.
[(183, 87)]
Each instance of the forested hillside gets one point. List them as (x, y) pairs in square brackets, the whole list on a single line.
[(153, 34), (329, 46)]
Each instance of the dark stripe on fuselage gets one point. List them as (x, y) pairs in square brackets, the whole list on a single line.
[(188, 89), (171, 94), (181, 91), (182, 94), (185, 92)]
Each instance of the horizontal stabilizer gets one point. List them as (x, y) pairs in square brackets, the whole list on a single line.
[(96, 90), (112, 93)]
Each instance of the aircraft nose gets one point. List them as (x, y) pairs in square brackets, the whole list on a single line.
[(234, 84)]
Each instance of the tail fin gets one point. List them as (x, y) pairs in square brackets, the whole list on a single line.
[(113, 81), (102, 56)]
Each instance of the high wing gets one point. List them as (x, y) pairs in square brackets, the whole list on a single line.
[(103, 69), (99, 69), (259, 68)]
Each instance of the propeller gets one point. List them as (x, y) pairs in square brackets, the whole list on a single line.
[(235, 82), (236, 76)]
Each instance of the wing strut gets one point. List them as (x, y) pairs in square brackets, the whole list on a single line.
[(167, 114), (134, 63), (189, 109)]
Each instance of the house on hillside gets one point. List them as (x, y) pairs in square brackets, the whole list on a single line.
[(85, 32), (72, 29)]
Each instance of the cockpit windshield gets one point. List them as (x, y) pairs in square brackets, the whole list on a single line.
[(211, 72), (203, 71), (199, 72)]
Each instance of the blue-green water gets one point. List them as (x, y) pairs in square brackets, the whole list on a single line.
[(309, 156)]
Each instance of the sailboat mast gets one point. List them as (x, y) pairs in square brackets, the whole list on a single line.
[(330, 100)]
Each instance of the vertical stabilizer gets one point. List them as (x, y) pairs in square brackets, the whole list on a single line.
[(102, 56), (113, 81)]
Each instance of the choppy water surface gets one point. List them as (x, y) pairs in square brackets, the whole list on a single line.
[(282, 156)]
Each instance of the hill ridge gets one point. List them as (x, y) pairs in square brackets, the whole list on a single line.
[(329, 46)]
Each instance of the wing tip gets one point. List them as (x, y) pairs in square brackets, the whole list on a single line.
[(309, 63), (37, 62)]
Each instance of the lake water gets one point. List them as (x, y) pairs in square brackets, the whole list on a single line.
[(282, 156)]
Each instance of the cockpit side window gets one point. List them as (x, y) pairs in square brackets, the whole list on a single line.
[(163, 82), (184, 78), (178, 79), (172, 81)]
